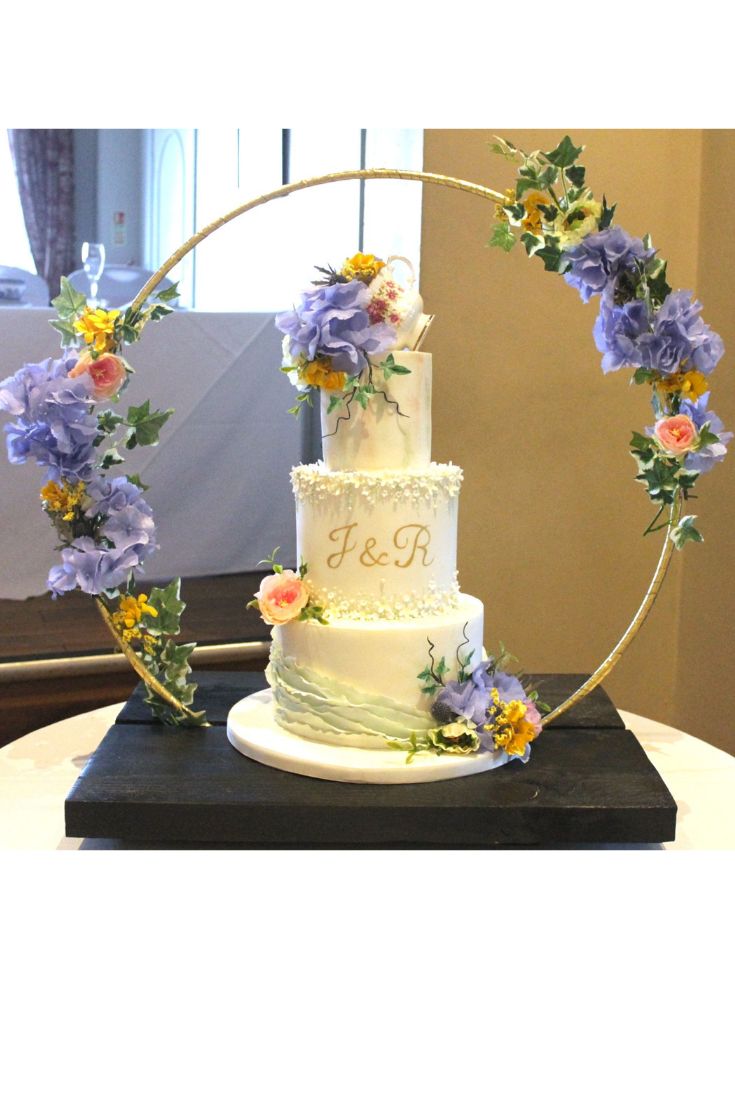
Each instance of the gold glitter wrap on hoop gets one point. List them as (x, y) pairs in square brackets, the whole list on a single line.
[(459, 185)]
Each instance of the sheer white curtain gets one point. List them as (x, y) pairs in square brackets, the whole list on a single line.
[(15, 251), (257, 262)]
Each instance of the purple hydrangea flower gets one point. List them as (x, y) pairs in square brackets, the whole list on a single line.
[(333, 321), (53, 423), (93, 569), (597, 261), (704, 459), (471, 699), (680, 334), (110, 494), (617, 332)]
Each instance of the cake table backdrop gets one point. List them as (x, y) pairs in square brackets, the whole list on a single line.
[(551, 519), (219, 479)]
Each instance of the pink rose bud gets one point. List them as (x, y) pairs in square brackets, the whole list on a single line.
[(107, 373), (676, 435), (282, 597)]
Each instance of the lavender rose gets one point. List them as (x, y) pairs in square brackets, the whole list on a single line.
[(333, 321), (598, 260), (93, 569)]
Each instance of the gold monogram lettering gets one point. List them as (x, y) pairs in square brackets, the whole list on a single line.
[(335, 559), (367, 558), (418, 542)]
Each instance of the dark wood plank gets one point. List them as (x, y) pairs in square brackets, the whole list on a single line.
[(150, 783)]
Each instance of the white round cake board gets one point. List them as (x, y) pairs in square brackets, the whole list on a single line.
[(252, 729)]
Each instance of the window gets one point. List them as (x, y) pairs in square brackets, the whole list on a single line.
[(15, 252), (255, 262)]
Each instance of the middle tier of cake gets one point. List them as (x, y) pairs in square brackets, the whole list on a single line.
[(379, 545)]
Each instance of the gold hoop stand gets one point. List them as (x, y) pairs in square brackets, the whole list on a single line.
[(484, 193)]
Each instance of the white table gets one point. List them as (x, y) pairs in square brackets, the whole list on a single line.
[(220, 476), (37, 771)]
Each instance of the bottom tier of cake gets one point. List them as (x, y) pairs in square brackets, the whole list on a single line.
[(356, 683)]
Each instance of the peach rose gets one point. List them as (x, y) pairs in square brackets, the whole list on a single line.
[(107, 373), (677, 435), (281, 597)]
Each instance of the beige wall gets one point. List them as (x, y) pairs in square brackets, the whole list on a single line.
[(551, 519)]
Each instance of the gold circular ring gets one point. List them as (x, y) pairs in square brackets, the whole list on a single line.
[(496, 197)]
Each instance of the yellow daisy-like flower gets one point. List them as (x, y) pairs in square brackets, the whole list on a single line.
[(364, 266), (97, 327), (690, 384), (63, 499), (318, 373), (130, 612)]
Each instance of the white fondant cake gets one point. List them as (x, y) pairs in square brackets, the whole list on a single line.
[(376, 526)]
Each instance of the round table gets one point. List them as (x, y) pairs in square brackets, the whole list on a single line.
[(37, 771)]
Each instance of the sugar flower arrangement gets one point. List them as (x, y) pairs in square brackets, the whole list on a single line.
[(339, 329), (62, 418), (642, 323), (484, 709)]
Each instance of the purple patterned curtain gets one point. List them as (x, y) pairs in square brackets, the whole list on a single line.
[(44, 165)]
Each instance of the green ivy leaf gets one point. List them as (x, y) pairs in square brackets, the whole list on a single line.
[(136, 481), (684, 532), (145, 426), (111, 458), (565, 153), (502, 237), (706, 436), (169, 294), (551, 256), (575, 174), (532, 243), (642, 375), (169, 606), (504, 148), (68, 335), (68, 303)]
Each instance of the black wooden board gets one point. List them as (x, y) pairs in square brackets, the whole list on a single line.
[(588, 781)]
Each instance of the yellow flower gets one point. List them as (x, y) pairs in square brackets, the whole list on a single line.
[(510, 197), (532, 222), (364, 266), (512, 732), (689, 384), (97, 327), (318, 373), (572, 232), (64, 498), (130, 611)]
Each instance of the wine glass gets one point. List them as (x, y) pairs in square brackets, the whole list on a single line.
[(93, 259)]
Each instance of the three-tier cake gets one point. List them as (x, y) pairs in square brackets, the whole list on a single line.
[(375, 649)]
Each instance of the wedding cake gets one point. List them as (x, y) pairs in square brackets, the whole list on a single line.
[(374, 646)]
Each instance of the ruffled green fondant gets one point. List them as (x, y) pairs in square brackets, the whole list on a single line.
[(319, 707)]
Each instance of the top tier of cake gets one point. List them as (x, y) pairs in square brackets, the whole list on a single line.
[(392, 432)]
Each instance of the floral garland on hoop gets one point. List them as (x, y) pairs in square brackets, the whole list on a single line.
[(104, 525), (642, 323)]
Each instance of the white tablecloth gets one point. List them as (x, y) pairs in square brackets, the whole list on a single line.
[(37, 771), (220, 476)]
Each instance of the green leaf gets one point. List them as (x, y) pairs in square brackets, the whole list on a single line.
[(504, 148), (136, 481), (639, 442), (684, 532), (111, 458), (551, 256), (706, 436), (145, 426), (68, 303), (362, 395), (441, 667), (68, 335), (502, 237), (169, 294), (524, 183), (642, 375), (108, 421), (425, 675), (565, 153), (607, 214), (169, 606), (575, 174), (532, 243)]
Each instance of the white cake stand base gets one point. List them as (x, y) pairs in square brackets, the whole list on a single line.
[(253, 731)]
